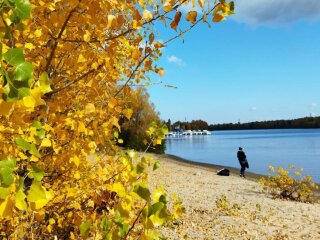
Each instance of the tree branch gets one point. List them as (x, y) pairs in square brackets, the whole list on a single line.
[(75, 81), (59, 36), (135, 221), (132, 74)]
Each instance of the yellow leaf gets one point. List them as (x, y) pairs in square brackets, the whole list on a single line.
[(161, 72), (75, 160), (20, 200), (136, 53), (38, 33), (151, 38), (112, 21), (147, 15), (128, 113), (37, 94), (87, 36), (92, 146), (176, 20), (90, 108), (90, 203), (76, 175), (81, 59), (29, 102), (22, 155), (158, 45), (218, 18), (34, 159), (119, 189), (6, 207), (192, 17), (136, 24), (167, 7), (29, 46), (46, 143), (201, 3), (5, 107), (112, 103), (82, 128), (52, 221), (44, 83)]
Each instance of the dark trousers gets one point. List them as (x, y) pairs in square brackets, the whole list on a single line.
[(243, 168)]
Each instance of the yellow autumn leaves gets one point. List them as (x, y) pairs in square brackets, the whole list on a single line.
[(66, 76), (282, 185)]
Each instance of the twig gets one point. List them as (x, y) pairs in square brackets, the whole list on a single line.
[(135, 221)]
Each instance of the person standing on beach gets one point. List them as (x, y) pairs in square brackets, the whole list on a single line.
[(243, 161)]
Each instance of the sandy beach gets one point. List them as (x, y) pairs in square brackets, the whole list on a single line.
[(230, 207)]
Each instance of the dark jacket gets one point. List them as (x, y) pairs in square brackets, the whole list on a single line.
[(241, 156), (242, 159)]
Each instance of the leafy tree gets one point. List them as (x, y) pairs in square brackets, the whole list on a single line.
[(133, 131), (66, 71)]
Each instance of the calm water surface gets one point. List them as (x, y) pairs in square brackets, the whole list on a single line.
[(299, 147)]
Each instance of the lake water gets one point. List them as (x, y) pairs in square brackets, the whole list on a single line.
[(299, 147)]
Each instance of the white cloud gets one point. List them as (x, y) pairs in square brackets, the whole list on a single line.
[(276, 12), (254, 109), (176, 60), (269, 12)]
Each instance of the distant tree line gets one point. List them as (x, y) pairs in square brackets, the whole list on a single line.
[(193, 125), (306, 122)]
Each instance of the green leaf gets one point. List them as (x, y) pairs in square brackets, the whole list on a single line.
[(37, 124), (9, 162), (14, 18), (23, 92), (139, 168), (23, 8), (156, 165), (23, 72), (36, 192), (4, 192), (41, 133), (105, 225), (160, 216), (85, 228), (7, 177), (23, 144), (123, 230), (14, 56), (6, 171), (123, 226), (157, 207), (142, 191), (34, 151), (36, 173)]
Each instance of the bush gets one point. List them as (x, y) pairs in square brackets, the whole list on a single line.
[(282, 185)]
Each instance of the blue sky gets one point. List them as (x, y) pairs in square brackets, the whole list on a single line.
[(262, 64)]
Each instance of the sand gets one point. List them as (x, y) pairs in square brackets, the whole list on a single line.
[(230, 207)]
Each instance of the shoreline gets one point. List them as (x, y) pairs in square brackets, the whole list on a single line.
[(215, 167), (212, 167)]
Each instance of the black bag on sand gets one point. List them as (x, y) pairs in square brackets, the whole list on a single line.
[(223, 172)]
